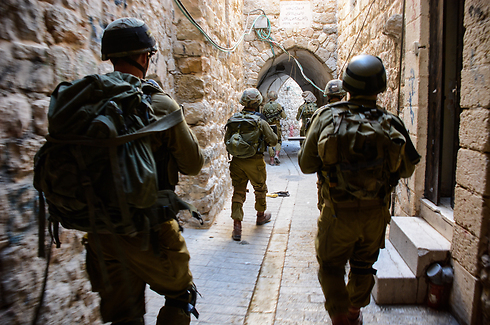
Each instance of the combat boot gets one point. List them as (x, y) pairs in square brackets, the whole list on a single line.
[(354, 316), (276, 160), (263, 217), (237, 230), (340, 320)]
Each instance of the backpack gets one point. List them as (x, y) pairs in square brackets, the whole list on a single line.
[(308, 109), (96, 170), (361, 150), (243, 138), (272, 112)]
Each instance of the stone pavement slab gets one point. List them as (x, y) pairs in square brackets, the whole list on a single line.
[(270, 276)]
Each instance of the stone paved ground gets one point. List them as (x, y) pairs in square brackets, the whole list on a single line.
[(270, 276)]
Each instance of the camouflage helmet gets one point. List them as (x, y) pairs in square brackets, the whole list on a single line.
[(365, 75), (127, 36), (308, 96), (272, 95), (334, 88), (251, 97)]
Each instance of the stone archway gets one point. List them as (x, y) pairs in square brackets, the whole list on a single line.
[(280, 68)]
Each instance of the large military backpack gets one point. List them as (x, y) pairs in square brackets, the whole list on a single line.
[(97, 170), (361, 150), (243, 138), (272, 112)]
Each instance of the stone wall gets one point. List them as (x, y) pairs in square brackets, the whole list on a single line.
[(320, 39), (375, 27), (470, 246), (208, 83), (45, 42)]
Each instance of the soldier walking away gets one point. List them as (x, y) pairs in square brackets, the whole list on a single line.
[(362, 151), (274, 112), (247, 136), (334, 93), (133, 238), (306, 111)]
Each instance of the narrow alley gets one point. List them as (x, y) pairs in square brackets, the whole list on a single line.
[(270, 276)]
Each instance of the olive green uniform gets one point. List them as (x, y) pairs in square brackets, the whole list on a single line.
[(274, 112), (251, 169), (167, 272), (348, 229), (305, 112)]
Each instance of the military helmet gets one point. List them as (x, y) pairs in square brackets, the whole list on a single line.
[(251, 97), (308, 96), (272, 95), (334, 88), (365, 75), (127, 36)]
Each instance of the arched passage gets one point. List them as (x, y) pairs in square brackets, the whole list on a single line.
[(279, 69)]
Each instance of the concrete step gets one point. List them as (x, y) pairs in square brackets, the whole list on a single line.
[(395, 282), (418, 243)]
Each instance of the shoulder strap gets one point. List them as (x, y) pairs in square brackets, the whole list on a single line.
[(160, 125)]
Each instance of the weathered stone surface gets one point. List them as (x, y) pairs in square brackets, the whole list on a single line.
[(475, 88), (465, 249), (471, 211), (189, 88), (464, 292), (473, 170), (16, 115), (474, 127)]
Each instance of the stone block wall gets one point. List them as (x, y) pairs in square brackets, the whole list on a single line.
[(470, 298), (208, 83), (320, 39), (44, 42), (375, 27)]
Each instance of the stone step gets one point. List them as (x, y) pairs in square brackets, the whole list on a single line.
[(395, 283), (418, 243)]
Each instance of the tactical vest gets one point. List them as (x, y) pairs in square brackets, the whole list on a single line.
[(361, 150)]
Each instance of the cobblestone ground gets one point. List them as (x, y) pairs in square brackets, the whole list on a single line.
[(270, 276)]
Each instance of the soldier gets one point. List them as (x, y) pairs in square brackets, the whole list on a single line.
[(129, 44), (248, 163), (306, 111), (274, 112), (352, 223), (334, 93)]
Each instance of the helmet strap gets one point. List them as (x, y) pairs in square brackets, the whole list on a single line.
[(136, 64)]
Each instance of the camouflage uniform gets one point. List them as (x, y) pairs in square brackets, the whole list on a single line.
[(306, 111), (274, 112)]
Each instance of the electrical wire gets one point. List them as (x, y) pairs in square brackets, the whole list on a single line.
[(358, 34), (263, 34)]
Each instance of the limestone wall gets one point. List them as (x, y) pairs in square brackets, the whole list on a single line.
[(375, 27), (45, 42), (470, 246), (320, 39)]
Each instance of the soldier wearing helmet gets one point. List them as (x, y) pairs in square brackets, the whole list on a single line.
[(274, 112), (334, 91), (252, 168), (352, 224), (306, 111), (129, 44)]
